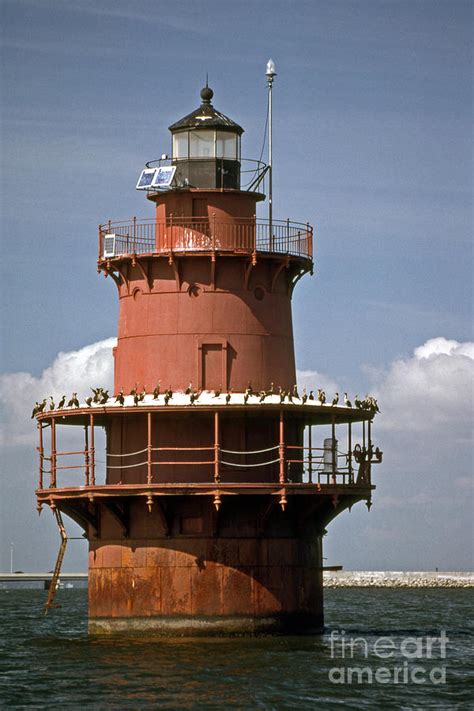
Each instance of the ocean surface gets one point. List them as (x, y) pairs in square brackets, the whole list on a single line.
[(49, 662)]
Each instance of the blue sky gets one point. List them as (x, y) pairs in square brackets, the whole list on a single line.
[(372, 145)]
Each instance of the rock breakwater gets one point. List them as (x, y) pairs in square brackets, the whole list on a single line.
[(394, 579)]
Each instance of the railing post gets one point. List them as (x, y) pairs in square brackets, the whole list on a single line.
[(281, 450), (217, 477), (149, 472), (309, 240), (86, 453), (53, 454), (349, 440), (171, 232), (214, 231), (92, 452), (134, 235), (310, 453), (334, 449), (41, 455), (287, 234), (369, 450)]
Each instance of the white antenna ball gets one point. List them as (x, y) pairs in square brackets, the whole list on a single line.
[(270, 68)]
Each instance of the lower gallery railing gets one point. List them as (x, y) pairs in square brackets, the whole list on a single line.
[(281, 463), (299, 464)]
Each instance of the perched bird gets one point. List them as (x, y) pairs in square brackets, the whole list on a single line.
[(246, 396), (120, 397), (136, 398), (97, 394), (88, 401), (282, 394), (304, 397), (347, 402), (249, 388), (141, 397), (358, 403), (169, 392), (73, 402), (271, 390), (311, 395), (193, 396), (104, 396), (217, 392), (133, 391), (167, 397), (189, 389), (373, 404), (289, 396), (335, 400), (321, 396), (51, 404), (156, 390), (35, 409), (295, 392), (61, 402), (227, 397), (263, 395), (42, 405)]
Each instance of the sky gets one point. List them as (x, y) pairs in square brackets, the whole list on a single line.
[(372, 146)]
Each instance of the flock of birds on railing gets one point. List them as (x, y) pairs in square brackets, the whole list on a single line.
[(101, 397)]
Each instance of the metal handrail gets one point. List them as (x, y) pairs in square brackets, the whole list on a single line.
[(208, 234)]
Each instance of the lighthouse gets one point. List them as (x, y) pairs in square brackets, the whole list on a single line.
[(220, 474)]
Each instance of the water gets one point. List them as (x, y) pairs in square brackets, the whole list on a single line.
[(51, 662)]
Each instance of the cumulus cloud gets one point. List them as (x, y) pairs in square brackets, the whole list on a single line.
[(430, 391), (75, 370), (312, 379)]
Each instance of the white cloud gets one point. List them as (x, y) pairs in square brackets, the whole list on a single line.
[(429, 392), (312, 380), (73, 371)]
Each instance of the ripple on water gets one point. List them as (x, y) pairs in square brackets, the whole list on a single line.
[(50, 661)]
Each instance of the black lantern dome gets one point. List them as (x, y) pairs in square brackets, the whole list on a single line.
[(206, 147)]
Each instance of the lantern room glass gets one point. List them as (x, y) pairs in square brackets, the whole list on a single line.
[(180, 145), (206, 144), (226, 145), (201, 144)]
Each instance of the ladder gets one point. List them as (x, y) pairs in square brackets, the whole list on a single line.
[(54, 584)]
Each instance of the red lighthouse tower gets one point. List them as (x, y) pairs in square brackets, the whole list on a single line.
[(220, 476)]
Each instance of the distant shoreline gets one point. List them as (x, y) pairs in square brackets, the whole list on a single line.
[(396, 579), (331, 579)]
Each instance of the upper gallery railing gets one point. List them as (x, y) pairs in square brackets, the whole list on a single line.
[(205, 234)]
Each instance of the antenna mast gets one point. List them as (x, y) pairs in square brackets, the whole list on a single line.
[(270, 74)]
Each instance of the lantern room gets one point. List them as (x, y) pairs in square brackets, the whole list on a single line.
[(206, 148)]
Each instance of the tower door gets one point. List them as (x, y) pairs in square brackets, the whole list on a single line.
[(200, 209), (213, 372)]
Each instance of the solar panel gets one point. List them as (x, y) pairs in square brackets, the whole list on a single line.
[(146, 178), (164, 176)]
